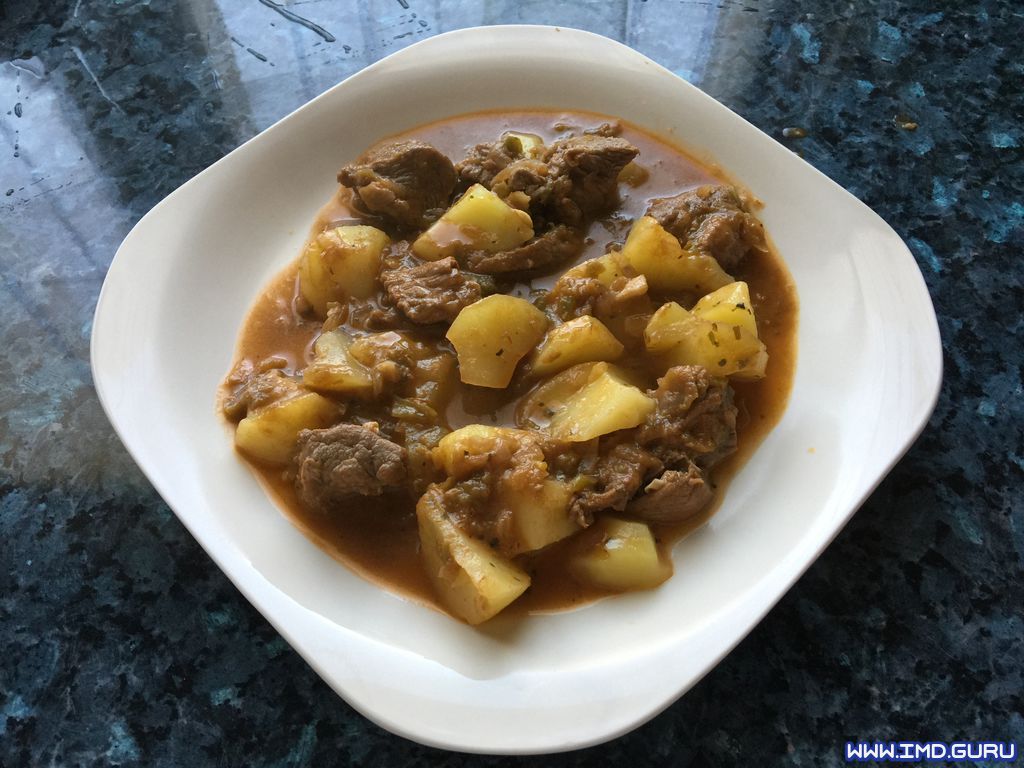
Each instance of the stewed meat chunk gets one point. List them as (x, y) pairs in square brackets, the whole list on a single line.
[(406, 183), (583, 176), (712, 220), (334, 465), (673, 496), (556, 246), (620, 472), (431, 292), (695, 419)]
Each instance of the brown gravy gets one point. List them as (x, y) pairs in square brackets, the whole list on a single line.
[(378, 538)]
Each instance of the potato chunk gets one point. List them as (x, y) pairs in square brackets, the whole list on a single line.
[(480, 220), (471, 448), (621, 555), (492, 335), (657, 254), (731, 305), (686, 339), (269, 433), (581, 340), (335, 369), (340, 263), (605, 269), (540, 404), (606, 403), (539, 515), (471, 579), (662, 331)]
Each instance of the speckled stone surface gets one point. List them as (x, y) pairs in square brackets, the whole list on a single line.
[(122, 644)]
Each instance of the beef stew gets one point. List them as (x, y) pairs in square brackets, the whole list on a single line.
[(519, 356)]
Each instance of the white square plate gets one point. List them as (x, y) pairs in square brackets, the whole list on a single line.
[(165, 331)]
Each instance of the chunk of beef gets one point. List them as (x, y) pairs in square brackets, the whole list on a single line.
[(695, 419), (256, 385), (554, 247), (673, 496), (371, 316), (484, 162), (692, 428), (575, 180), (626, 295), (366, 314), (585, 295), (521, 182), (431, 292), (407, 183), (575, 296), (620, 470), (347, 460), (583, 175), (712, 220)]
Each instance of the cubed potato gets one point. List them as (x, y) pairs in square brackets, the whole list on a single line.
[(604, 268), (470, 579), (619, 555), (606, 403), (269, 434), (464, 451), (539, 515), (541, 403), (663, 329), (581, 340), (686, 339), (657, 254), (315, 283), (334, 369), (340, 263), (480, 220), (731, 305), (492, 335)]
